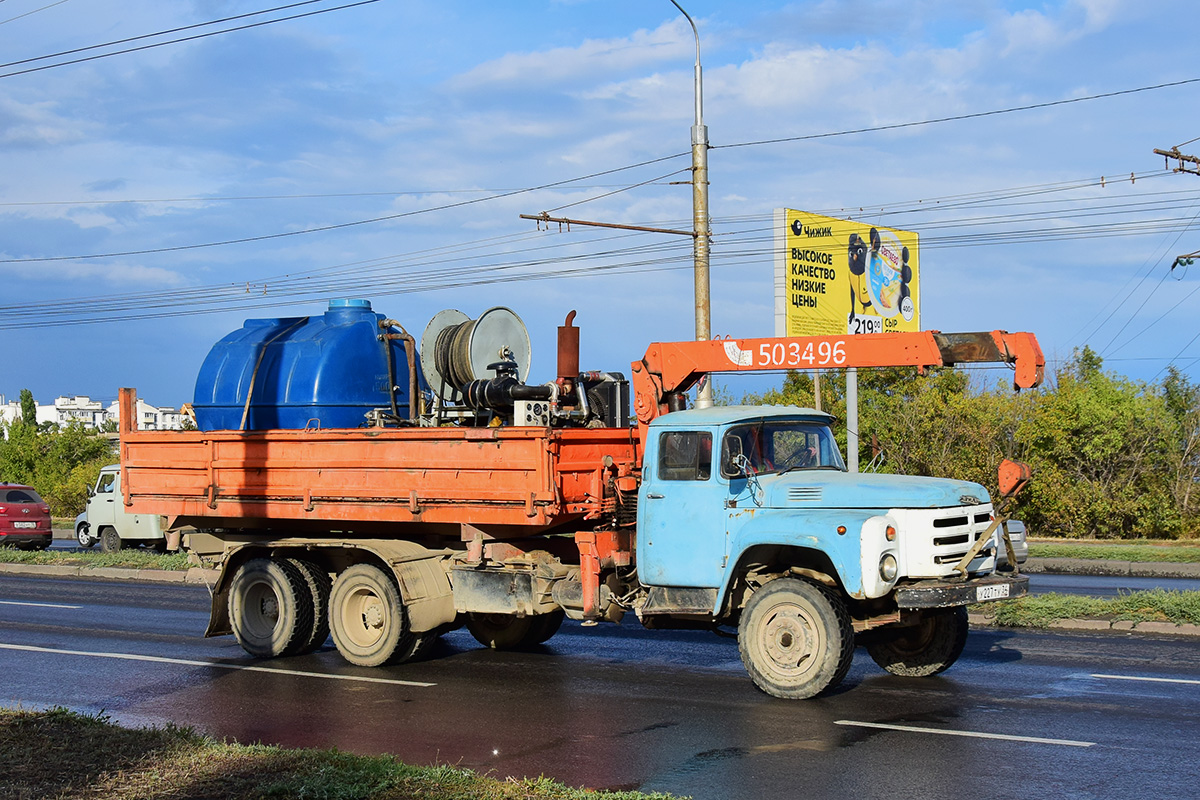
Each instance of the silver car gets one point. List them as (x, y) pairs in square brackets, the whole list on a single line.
[(1016, 533)]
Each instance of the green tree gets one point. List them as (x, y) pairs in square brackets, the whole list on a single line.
[(28, 408), (60, 464), (1182, 400), (1100, 446)]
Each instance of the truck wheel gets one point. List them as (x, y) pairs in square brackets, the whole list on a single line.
[(547, 625), (795, 638), (83, 535), (270, 608), (110, 540), (319, 586), (510, 632), (366, 618), (924, 649)]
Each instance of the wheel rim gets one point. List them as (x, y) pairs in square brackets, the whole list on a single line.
[(262, 610), (791, 639), (915, 640), (364, 617)]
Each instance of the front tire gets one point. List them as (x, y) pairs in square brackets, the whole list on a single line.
[(270, 608), (796, 639), (83, 535), (366, 618), (927, 648)]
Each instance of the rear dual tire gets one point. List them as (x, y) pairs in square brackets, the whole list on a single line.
[(367, 620), (271, 608)]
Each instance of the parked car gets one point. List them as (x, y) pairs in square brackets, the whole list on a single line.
[(24, 518), (1016, 532), (105, 520)]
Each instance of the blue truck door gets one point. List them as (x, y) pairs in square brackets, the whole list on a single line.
[(681, 515)]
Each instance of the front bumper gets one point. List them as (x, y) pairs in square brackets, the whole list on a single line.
[(942, 593)]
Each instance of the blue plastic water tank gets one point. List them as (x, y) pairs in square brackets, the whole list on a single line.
[(325, 371)]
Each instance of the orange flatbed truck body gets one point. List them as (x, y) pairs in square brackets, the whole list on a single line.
[(509, 481)]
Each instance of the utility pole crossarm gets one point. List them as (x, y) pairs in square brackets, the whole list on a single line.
[(1184, 160)]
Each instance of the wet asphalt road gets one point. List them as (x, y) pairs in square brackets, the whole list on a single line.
[(619, 707)]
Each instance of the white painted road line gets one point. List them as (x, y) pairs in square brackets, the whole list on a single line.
[(1140, 678), (190, 663), (39, 605), (972, 734)]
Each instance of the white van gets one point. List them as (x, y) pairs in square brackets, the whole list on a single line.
[(106, 521)]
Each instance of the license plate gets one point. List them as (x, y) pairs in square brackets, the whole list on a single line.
[(24, 524), (997, 592)]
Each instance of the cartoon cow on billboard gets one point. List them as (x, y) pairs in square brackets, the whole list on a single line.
[(880, 274)]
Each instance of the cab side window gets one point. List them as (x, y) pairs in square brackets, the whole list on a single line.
[(106, 482), (685, 456)]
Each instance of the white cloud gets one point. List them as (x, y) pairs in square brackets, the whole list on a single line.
[(99, 276), (671, 41)]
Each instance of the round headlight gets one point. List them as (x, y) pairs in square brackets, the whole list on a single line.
[(888, 568)]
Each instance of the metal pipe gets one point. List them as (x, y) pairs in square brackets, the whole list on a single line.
[(568, 352), (410, 355)]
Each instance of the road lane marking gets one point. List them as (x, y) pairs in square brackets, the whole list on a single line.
[(39, 605), (191, 663), (972, 734), (1141, 678)]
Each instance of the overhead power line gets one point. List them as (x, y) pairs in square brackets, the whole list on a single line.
[(167, 32), (498, 195), (31, 13), (341, 225), (958, 117), (184, 39)]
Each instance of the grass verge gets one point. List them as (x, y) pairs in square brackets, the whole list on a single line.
[(1039, 611), (1108, 551), (63, 754), (131, 559)]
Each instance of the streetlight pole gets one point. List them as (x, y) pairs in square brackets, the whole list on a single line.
[(700, 226)]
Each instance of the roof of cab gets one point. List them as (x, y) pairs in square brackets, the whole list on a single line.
[(723, 415)]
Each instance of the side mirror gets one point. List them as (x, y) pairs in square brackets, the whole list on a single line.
[(731, 452)]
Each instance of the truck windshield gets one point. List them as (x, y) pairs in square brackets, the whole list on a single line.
[(780, 446)]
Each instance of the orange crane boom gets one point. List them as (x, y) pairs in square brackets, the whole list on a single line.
[(669, 369)]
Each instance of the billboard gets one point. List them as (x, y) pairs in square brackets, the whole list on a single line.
[(837, 276)]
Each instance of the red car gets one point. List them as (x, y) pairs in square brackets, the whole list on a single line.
[(24, 518)]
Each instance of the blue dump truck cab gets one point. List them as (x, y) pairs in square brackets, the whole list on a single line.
[(747, 516)]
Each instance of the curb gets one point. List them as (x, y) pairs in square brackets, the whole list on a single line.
[(980, 620), (195, 575), (1117, 569)]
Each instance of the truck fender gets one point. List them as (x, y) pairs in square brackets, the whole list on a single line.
[(803, 542), (424, 584)]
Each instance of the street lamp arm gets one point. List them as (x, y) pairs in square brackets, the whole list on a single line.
[(699, 80)]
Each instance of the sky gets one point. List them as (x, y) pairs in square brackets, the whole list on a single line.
[(150, 201)]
